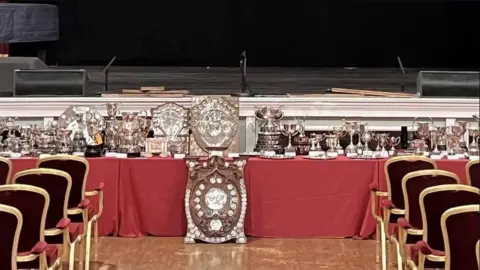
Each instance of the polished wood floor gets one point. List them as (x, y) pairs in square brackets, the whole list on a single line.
[(155, 253)]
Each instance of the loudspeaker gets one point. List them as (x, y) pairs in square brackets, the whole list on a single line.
[(448, 84), (8, 65), (50, 82)]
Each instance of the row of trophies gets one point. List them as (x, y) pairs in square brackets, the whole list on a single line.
[(81, 130), (429, 139)]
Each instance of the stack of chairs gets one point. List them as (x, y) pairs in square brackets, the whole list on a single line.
[(45, 208), (427, 219)]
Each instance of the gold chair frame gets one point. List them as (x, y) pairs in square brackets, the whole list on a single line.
[(477, 250), (423, 194), (68, 245), (10, 166), (42, 257), (467, 170), (383, 220), (14, 211), (88, 224), (402, 233), (450, 212)]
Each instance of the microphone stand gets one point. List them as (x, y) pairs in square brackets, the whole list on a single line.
[(402, 82), (244, 88), (105, 73)]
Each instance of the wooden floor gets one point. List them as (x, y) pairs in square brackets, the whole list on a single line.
[(155, 253)]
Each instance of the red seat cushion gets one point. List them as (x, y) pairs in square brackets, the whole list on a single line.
[(52, 255)]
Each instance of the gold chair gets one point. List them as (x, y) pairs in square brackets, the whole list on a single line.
[(79, 208), (58, 185), (460, 229), (392, 202), (10, 228), (5, 170), (477, 250), (473, 173), (33, 203), (410, 227), (434, 202)]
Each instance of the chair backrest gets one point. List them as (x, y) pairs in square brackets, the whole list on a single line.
[(396, 168), (33, 203), (78, 169), (434, 201), (460, 234), (414, 183), (5, 170), (10, 227), (477, 250), (473, 173), (56, 183)]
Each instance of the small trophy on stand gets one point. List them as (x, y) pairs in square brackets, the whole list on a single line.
[(393, 142), (111, 128), (215, 196), (289, 130), (351, 127)]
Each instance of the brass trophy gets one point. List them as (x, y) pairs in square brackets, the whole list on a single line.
[(112, 127), (170, 130), (422, 131), (215, 196), (289, 130), (269, 136)]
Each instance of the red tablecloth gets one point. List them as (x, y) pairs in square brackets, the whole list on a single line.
[(101, 170), (152, 197), (286, 198)]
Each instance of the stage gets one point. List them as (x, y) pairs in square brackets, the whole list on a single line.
[(262, 80)]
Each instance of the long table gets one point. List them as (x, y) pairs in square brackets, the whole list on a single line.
[(286, 198)]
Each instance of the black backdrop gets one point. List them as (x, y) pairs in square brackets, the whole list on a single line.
[(282, 33)]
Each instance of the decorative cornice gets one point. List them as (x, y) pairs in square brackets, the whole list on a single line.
[(371, 107)]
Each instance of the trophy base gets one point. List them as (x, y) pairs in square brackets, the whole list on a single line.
[(94, 151), (134, 155)]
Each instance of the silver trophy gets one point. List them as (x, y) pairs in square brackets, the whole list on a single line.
[(112, 127), (269, 135), (463, 126), (473, 149), (422, 130), (351, 127), (393, 142), (366, 138), (289, 130), (170, 127), (382, 140)]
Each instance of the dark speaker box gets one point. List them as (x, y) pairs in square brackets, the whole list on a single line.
[(50, 82), (448, 84)]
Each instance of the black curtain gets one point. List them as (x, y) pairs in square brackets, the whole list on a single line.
[(274, 33)]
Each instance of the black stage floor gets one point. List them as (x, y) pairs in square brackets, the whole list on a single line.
[(262, 81)]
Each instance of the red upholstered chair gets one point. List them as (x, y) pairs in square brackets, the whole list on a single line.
[(460, 228), (473, 173), (32, 202), (79, 208), (477, 249), (392, 201), (410, 227), (10, 227), (57, 184), (434, 202), (5, 170)]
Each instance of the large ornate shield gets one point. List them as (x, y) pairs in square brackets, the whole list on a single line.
[(214, 123), (215, 200)]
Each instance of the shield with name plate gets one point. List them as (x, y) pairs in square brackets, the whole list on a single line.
[(215, 196)]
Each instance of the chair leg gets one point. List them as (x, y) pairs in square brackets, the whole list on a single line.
[(396, 244), (383, 246), (378, 244), (95, 238), (71, 259), (88, 245)]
